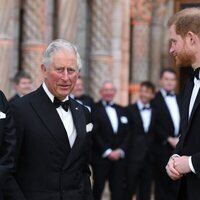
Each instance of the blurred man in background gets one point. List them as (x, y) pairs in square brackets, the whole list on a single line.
[(79, 96), (22, 85), (141, 117), (167, 107), (110, 141)]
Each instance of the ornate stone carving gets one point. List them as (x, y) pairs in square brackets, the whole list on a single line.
[(35, 36), (101, 45)]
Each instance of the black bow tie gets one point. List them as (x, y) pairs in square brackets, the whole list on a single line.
[(107, 103), (170, 94), (64, 104), (146, 108), (196, 73)]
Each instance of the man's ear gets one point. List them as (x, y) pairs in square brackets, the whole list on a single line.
[(191, 37), (44, 70)]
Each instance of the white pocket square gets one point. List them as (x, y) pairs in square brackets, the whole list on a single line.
[(89, 127), (124, 120), (2, 115)]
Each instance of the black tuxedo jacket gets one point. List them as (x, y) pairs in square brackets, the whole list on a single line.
[(15, 97), (189, 143), (86, 100), (47, 168), (103, 135), (164, 123), (7, 141), (140, 143)]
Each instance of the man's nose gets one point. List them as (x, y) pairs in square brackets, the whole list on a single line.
[(65, 75)]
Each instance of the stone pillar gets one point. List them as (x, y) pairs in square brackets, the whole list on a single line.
[(120, 48), (37, 23), (101, 59), (159, 11), (141, 14), (72, 21), (6, 43)]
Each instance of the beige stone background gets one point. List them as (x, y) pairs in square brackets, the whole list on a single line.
[(121, 40)]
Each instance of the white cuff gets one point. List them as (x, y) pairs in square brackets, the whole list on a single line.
[(191, 165), (106, 153), (175, 155), (122, 153)]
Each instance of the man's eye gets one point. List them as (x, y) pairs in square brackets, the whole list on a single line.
[(71, 70), (59, 70)]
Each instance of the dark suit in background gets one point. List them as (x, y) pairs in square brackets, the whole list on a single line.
[(15, 97), (165, 188), (85, 100), (140, 155), (7, 141), (47, 167), (104, 138)]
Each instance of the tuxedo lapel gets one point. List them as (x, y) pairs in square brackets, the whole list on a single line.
[(80, 124), (152, 121), (46, 111), (105, 116), (164, 106), (139, 118), (185, 111)]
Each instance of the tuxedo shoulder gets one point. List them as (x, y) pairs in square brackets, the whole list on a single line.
[(3, 101)]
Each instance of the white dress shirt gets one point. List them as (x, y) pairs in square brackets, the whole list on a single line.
[(145, 115), (173, 109), (112, 115), (66, 117)]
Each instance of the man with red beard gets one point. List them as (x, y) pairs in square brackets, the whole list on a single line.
[(184, 164)]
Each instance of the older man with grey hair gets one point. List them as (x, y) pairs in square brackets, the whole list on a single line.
[(53, 134)]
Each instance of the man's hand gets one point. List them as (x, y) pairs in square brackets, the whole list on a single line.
[(181, 164), (172, 172), (115, 155), (173, 141)]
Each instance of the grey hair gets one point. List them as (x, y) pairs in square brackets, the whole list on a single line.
[(57, 45)]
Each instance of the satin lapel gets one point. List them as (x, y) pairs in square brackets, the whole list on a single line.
[(46, 111), (139, 118), (105, 116), (186, 103), (152, 120), (196, 104), (185, 110), (80, 125), (164, 105)]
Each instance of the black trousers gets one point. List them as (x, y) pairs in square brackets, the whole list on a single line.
[(139, 179), (114, 173), (165, 188)]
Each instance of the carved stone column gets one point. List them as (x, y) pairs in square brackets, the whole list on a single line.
[(120, 48), (101, 60), (6, 43), (159, 11), (37, 32), (141, 13), (72, 22)]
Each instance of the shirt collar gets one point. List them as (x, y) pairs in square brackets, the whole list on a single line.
[(49, 94), (141, 105), (164, 92), (105, 104)]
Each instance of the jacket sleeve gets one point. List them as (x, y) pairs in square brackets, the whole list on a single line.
[(8, 137), (87, 173), (12, 189)]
